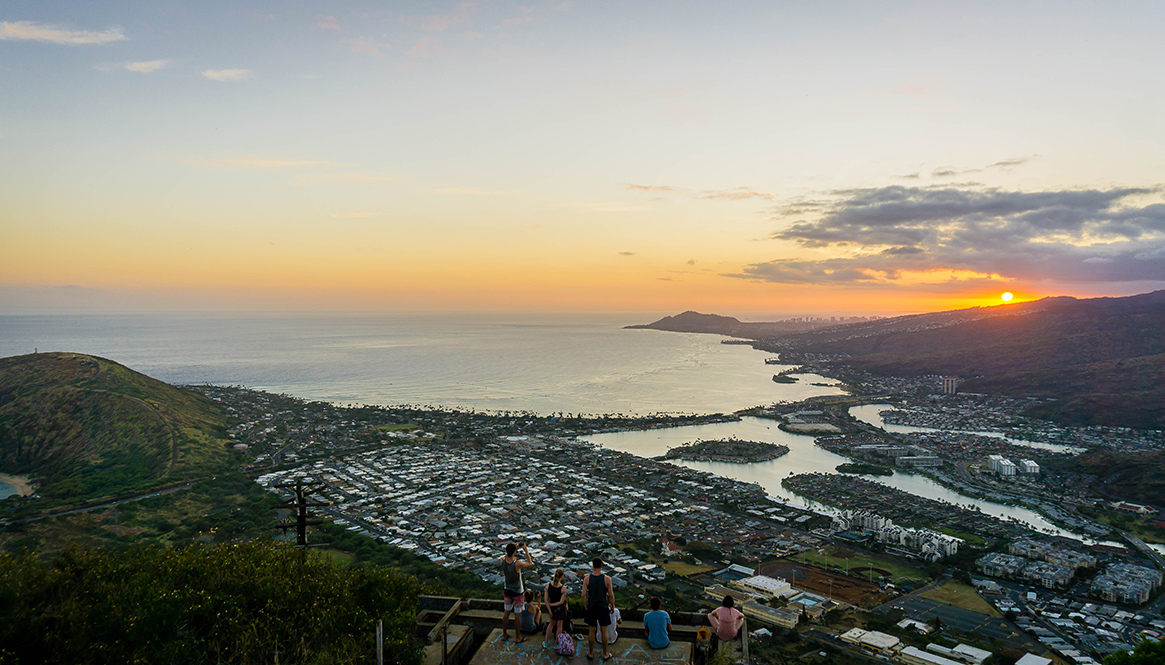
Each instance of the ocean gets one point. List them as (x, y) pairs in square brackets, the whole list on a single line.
[(544, 364)]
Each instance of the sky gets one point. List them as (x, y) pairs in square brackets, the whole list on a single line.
[(767, 159)]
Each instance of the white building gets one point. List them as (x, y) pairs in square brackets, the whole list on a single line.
[(1028, 466), (1001, 465), (963, 652), (916, 656), (929, 545), (783, 617), (769, 587), (950, 385), (871, 639)]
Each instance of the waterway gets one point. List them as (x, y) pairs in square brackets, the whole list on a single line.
[(803, 457), (6, 491), (871, 414)]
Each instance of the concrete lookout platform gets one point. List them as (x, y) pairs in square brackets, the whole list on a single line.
[(495, 651), (467, 631)]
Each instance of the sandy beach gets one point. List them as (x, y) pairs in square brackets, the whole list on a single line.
[(18, 483)]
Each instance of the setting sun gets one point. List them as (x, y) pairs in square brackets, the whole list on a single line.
[(1007, 297)]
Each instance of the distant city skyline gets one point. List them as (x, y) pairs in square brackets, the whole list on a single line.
[(835, 158)]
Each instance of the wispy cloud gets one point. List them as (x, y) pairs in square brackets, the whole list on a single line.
[(626, 253), (891, 235), (264, 163), (734, 194), (352, 177), (442, 22), (517, 21), (652, 188), (1008, 163), (39, 32), (524, 17), (227, 74), (327, 23), (425, 46), (473, 191), (738, 194), (146, 66), (948, 172), (367, 45)]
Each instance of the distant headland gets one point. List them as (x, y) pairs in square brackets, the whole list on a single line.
[(695, 322), (1089, 361)]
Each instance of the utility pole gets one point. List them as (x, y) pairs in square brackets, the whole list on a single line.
[(380, 642), (301, 504)]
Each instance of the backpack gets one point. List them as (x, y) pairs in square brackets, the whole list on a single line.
[(565, 646)]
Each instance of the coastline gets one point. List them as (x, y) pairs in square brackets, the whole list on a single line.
[(18, 483)]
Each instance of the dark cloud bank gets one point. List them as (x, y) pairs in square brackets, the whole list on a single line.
[(1077, 236)]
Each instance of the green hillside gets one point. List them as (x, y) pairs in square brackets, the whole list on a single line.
[(1137, 477), (1101, 359), (84, 427)]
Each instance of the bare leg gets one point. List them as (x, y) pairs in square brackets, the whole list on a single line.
[(505, 623), (590, 642), (606, 654)]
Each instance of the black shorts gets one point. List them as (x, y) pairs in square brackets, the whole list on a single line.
[(598, 616)]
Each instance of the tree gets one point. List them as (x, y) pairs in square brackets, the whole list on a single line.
[(236, 603), (1148, 652)]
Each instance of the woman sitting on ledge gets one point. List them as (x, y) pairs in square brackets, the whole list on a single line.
[(726, 620)]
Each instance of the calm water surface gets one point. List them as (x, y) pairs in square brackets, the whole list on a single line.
[(547, 364), (803, 457)]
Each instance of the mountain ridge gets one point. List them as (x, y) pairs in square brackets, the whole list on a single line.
[(85, 426), (1101, 359)]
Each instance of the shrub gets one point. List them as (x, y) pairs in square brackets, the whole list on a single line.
[(237, 603)]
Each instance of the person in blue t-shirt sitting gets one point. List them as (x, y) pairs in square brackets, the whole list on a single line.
[(656, 624)]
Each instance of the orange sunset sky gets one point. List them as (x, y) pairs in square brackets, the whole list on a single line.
[(759, 159)]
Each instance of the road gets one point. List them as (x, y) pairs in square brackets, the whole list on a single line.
[(85, 509)]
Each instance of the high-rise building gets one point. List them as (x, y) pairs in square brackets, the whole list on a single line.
[(1001, 465), (950, 385)]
